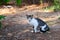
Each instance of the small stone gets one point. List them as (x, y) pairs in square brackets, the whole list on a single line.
[(0, 35), (9, 34)]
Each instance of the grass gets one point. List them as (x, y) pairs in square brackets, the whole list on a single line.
[(1, 17), (53, 7), (58, 17)]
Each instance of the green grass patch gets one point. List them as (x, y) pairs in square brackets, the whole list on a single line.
[(18, 2), (58, 17), (1, 17)]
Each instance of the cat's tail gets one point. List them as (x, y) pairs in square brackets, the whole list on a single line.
[(47, 28)]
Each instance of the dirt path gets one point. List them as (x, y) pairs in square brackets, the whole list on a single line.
[(16, 26)]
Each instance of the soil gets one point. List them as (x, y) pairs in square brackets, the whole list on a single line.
[(16, 27)]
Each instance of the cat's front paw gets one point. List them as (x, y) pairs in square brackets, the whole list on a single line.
[(32, 31), (35, 31)]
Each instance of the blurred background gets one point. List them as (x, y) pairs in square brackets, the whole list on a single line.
[(15, 26)]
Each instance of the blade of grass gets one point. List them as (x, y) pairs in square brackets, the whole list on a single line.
[(18, 2)]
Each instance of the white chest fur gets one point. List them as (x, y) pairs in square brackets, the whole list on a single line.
[(33, 22)]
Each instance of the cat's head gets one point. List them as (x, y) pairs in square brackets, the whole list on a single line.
[(29, 17)]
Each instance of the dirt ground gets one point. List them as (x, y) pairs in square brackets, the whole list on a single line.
[(16, 27)]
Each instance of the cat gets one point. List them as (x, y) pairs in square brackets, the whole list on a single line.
[(38, 24)]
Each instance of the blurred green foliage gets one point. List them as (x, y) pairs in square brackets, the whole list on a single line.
[(4, 1), (41, 1), (1, 17), (55, 6), (1, 2), (18, 2)]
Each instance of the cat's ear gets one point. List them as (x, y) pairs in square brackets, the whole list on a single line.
[(32, 15)]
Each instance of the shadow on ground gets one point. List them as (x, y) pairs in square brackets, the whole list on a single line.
[(16, 27)]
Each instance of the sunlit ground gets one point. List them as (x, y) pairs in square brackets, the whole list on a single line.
[(16, 27)]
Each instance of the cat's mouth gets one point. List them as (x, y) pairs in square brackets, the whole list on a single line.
[(29, 19)]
